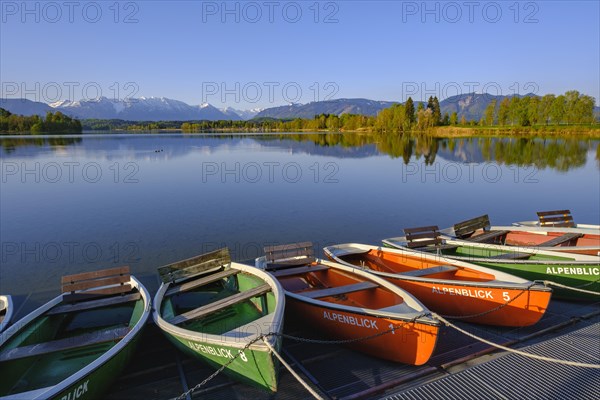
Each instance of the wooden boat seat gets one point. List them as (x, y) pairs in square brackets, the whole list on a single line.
[(560, 218), (289, 255), (90, 285), (466, 229), (92, 304), (219, 304), (426, 238), (335, 291), (204, 280), (487, 236), (511, 256), (567, 237), (299, 271), (213, 261), (439, 247), (430, 271), (64, 344)]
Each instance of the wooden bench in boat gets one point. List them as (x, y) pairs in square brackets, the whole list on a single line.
[(560, 218), (511, 256), (92, 285), (205, 280), (426, 238), (429, 271), (289, 255), (335, 291), (219, 304), (64, 344), (466, 229), (299, 271), (567, 237), (203, 263), (92, 304)]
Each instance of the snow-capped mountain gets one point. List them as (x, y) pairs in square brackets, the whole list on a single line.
[(243, 114), (140, 109)]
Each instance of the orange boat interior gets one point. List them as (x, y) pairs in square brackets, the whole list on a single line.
[(320, 282), (384, 261), (521, 238)]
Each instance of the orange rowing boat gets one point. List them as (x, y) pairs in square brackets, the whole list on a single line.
[(453, 288), (343, 303)]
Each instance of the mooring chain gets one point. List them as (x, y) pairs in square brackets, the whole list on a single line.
[(217, 372), (295, 338), (490, 310)]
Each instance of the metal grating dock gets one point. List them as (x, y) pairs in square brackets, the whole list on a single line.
[(513, 376), (569, 330)]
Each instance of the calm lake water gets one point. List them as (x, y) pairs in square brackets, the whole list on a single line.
[(79, 203)]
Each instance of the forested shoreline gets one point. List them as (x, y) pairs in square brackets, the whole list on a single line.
[(568, 113), (53, 123)]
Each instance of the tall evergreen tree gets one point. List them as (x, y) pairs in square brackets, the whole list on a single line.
[(409, 109), (437, 112)]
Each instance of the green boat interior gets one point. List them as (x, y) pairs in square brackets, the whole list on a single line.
[(216, 301), (428, 239), (64, 340)]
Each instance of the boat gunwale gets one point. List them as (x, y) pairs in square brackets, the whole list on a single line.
[(405, 295), (575, 258), (94, 365), (536, 224), (538, 230), (495, 284), (221, 340), (6, 322)]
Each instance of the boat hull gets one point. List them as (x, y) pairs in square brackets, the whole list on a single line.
[(576, 274), (576, 271), (92, 377), (586, 276), (95, 385), (466, 291), (218, 343), (255, 367), (475, 303), (408, 343)]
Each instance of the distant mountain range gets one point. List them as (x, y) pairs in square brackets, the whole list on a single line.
[(142, 109), (471, 105), (338, 107)]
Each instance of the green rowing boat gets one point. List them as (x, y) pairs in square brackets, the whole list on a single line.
[(218, 311), (74, 346), (573, 270)]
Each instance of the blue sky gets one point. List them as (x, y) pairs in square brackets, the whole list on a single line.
[(263, 54)]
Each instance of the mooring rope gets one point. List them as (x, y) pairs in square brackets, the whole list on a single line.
[(441, 318), (576, 289), (289, 368), (522, 353), (492, 309)]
